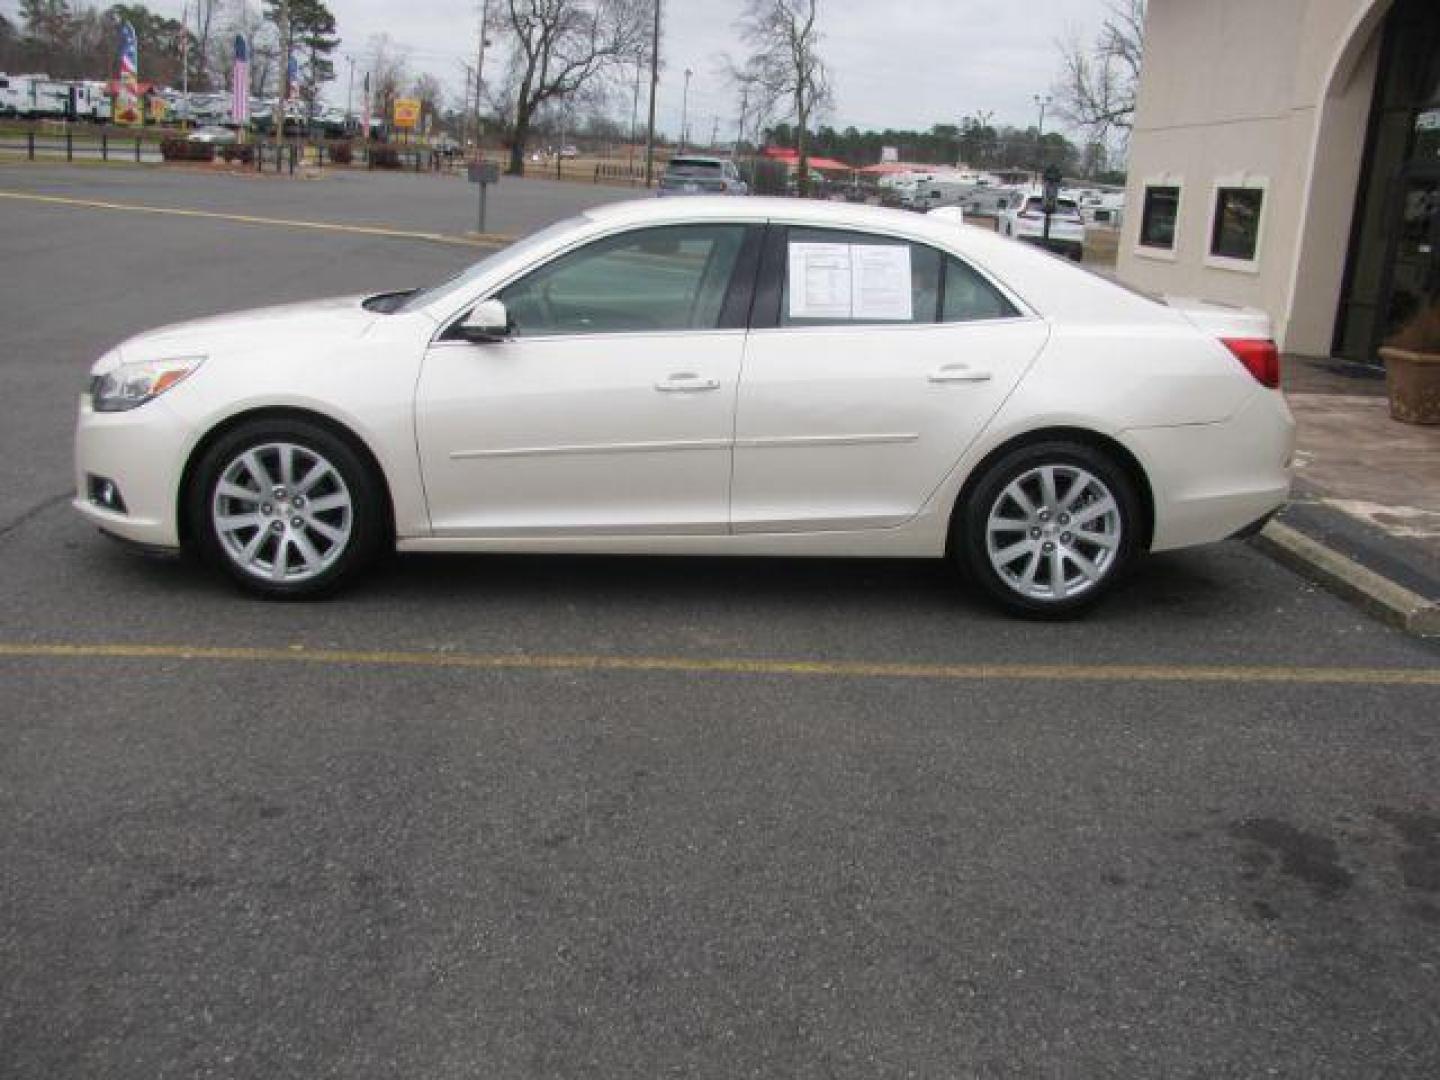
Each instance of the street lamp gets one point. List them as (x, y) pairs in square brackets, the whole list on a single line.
[(349, 92), (685, 111), (1041, 100)]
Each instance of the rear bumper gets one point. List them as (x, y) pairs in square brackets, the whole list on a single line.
[(1247, 468)]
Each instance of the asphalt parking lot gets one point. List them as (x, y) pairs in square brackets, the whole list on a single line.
[(512, 816)]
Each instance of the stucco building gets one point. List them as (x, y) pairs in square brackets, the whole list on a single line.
[(1286, 155)]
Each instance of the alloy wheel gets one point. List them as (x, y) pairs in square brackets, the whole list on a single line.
[(1054, 532), (282, 512)]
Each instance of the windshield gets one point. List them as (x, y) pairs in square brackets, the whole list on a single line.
[(421, 297)]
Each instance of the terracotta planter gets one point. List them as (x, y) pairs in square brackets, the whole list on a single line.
[(1413, 380)]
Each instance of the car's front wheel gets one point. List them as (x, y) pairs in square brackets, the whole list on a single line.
[(286, 508), (1048, 528)]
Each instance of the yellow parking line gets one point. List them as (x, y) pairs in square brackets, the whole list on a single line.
[(854, 669), (468, 240)]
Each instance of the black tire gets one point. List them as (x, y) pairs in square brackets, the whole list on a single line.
[(361, 522), (1006, 585)]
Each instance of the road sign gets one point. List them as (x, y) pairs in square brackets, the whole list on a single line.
[(407, 113), (484, 172)]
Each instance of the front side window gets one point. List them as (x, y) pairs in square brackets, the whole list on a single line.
[(1236, 232), (1159, 216), (847, 278), (669, 278)]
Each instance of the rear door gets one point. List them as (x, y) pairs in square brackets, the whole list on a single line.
[(872, 363)]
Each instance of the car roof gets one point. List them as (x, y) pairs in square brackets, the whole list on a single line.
[(697, 159)]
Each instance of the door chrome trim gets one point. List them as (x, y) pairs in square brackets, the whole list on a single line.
[(800, 441), (594, 448)]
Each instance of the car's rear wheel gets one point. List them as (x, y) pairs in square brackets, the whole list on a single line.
[(1048, 528), (286, 508)]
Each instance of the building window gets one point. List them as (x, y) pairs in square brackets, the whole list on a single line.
[(1158, 220), (1235, 233)]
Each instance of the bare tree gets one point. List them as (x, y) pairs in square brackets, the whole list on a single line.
[(389, 72), (1096, 88), (784, 75), (205, 19), (562, 48)]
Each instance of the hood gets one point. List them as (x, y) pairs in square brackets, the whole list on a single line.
[(329, 320)]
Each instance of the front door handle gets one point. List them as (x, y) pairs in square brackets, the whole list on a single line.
[(686, 381), (958, 373)]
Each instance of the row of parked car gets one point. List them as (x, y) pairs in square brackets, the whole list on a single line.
[(1019, 211)]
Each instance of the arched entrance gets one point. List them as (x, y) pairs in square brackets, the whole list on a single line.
[(1393, 264)]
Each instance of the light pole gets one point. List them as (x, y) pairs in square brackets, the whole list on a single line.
[(349, 91), (685, 112), (480, 70), (1041, 100), (654, 85)]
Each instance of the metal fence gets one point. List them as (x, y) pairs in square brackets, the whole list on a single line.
[(64, 146)]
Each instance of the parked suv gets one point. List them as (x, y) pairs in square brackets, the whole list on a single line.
[(701, 176), (1025, 220)]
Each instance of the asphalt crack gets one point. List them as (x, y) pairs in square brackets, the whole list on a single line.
[(31, 514)]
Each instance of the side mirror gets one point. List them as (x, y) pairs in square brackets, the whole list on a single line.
[(487, 321)]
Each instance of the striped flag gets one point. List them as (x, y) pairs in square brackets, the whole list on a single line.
[(127, 97), (129, 55), (240, 83)]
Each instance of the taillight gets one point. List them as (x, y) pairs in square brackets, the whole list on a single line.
[(1260, 356)]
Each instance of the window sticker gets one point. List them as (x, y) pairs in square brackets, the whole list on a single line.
[(850, 281), (820, 281), (881, 282)]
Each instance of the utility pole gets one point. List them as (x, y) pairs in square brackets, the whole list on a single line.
[(185, 61), (285, 44), (714, 130), (685, 112), (465, 106), (654, 81)]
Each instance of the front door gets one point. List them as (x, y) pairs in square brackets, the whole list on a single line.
[(608, 410)]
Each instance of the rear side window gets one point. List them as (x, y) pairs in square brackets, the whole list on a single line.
[(969, 297), (844, 278), (837, 278)]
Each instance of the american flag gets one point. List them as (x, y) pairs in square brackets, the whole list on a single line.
[(240, 83), (129, 55)]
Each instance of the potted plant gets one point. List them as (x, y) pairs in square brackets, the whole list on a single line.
[(1412, 367)]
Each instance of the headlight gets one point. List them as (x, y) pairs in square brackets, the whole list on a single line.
[(128, 386)]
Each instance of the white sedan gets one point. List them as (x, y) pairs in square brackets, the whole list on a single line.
[(702, 376)]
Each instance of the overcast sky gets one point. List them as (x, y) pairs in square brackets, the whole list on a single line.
[(894, 63)]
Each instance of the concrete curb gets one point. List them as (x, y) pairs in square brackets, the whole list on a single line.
[(1383, 598), (490, 237)]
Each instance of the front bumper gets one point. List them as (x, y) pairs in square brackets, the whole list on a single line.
[(142, 452)]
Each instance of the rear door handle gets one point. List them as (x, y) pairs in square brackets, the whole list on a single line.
[(958, 373), (686, 382)]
